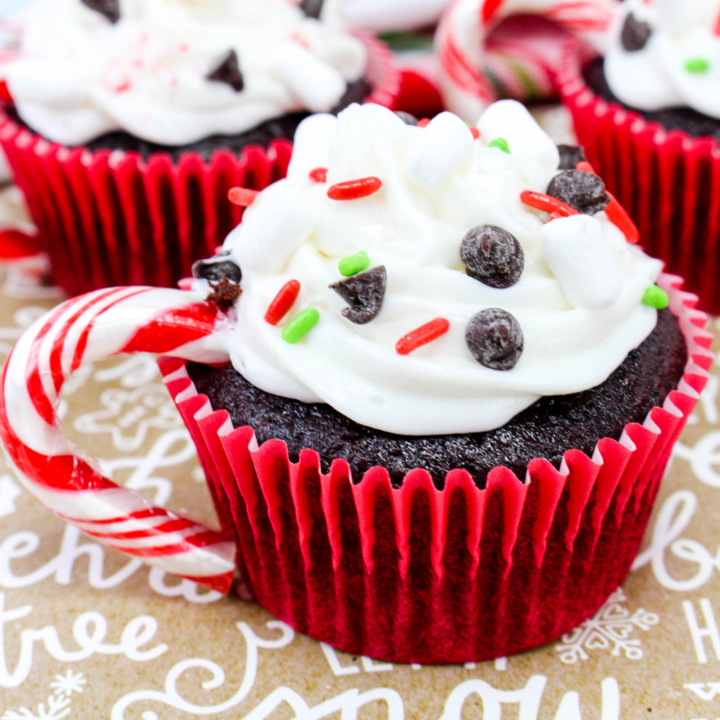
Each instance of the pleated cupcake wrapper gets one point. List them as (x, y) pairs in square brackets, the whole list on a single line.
[(110, 218), (418, 574), (668, 182)]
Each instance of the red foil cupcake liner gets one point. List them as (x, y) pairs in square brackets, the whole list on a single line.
[(109, 218), (668, 181), (418, 574)]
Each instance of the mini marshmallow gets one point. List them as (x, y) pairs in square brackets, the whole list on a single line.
[(525, 138), (311, 148), (437, 150), (317, 85), (266, 238), (581, 259)]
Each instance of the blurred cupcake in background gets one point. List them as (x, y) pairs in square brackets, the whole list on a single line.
[(131, 119), (648, 114)]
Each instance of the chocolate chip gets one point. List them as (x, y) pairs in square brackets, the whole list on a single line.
[(312, 8), (228, 72), (364, 293), (493, 256), (495, 339), (215, 268), (581, 190), (109, 8), (224, 293), (570, 156), (635, 33), (406, 117)]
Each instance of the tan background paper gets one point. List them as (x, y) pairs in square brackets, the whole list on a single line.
[(87, 633)]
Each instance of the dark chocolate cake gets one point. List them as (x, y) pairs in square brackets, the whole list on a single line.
[(547, 429)]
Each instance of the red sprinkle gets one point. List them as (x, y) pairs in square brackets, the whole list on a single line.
[(242, 196), (540, 201), (475, 132), (422, 336), (554, 216), (319, 175), (424, 122), (617, 216), (282, 302), (354, 189), (585, 166)]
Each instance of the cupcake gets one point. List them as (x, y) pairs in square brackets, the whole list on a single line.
[(427, 364), (452, 390), (648, 116), (131, 120)]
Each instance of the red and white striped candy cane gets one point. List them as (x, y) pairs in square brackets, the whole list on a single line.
[(468, 61), (88, 328)]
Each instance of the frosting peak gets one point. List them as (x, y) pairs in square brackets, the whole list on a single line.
[(483, 305), (157, 71)]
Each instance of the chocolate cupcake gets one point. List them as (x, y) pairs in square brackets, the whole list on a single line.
[(131, 121), (418, 339), (648, 116), (431, 332)]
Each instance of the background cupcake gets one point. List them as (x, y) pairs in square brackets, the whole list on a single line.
[(431, 330), (648, 116), (196, 97)]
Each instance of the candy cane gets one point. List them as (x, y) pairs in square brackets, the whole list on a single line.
[(467, 62), (85, 329)]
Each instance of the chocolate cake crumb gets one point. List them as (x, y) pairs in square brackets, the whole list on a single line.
[(224, 293)]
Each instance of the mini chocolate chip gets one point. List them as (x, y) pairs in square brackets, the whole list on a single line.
[(581, 190), (228, 72), (215, 268), (109, 8), (635, 33), (312, 8), (493, 256), (406, 117), (495, 339), (570, 156), (364, 293)]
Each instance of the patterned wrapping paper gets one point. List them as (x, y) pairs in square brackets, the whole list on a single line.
[(87, 634)]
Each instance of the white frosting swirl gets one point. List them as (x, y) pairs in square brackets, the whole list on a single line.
[(657, 76), (576, 332), (81, 76)]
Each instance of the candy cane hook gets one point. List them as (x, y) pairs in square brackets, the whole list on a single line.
[(84, 329)]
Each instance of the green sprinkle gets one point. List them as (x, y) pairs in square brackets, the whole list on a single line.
[(697, 65), (500, 143), (354, 264), (656, 297), (302, 323)]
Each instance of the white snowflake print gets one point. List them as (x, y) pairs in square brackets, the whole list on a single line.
[(610, 629), (68, 683), (58, 704), (129, 414)]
